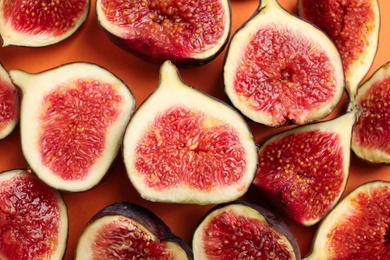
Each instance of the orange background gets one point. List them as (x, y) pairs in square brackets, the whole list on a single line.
[(91, 44)]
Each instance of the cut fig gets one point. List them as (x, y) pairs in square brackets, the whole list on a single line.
[(72, 121), (9, 104), (303, 171), (128, 231), (33, 23), (243, 230), (280, 69), (185, 146), (188, 33), (358, 227), (370, 136), (33, 218), (353, 25)]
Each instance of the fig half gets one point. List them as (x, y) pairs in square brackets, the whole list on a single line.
[(34, 23), (72, 121), (33, 218), (128, 231), (243, 230), (303, 171), (280, 69), (185, 146), (187, 33), (358, 227)]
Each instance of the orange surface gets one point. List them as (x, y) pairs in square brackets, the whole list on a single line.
[(91, 44)]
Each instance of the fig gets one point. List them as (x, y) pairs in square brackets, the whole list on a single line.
[(353, 25), (33, 218), (243, 230), (9, 104), (185, 146), (358, 227), (72, 122), (279, 69), (303, 171), (370, 140), (41, 23), (125, 230), (188, 33)]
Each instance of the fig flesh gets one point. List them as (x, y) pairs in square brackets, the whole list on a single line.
[(33, 218), (188, 33), (243, 230), (180, 146), (128, 231), (280, 69), (358, 227), (303, 171), (353, 25), (33, 23), (72, 121)]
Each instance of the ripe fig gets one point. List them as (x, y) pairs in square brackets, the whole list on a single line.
[(33, 218), (128, 231), (9, 104), (358, 227), (184, 146), (353, 25), (303, 171), (33, 23), (243, 230), (188, 33), (72, 121), (280, 69), (370, 135)]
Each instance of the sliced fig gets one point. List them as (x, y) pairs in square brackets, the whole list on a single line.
[(370, 136), (280, 69), (32, 23), (358, 227), (243, 230), (353, 25), (187, 33), (9, 104), (303, 171), (72, 121), (33, 218), (185, 146), (128, 231)]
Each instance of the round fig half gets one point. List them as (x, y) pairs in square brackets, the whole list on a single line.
[(9, 104), (303, 171), (128, 231), (353, 25), (33, 218), (242, 230), (72, 122), (358, 227), (33, 23), (280, 69), (370, 136), (187, 33), (184, 146)]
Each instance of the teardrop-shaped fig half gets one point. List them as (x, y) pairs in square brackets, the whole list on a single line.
[(33, 218), (185, 146), (371, 133), (353, 25), (243, 230), (303, 171), (128, 231), (72, 122), (187, 33), (358, 227), (280, 69), (9, 104)]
